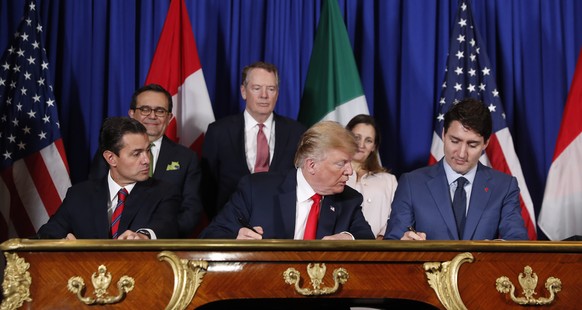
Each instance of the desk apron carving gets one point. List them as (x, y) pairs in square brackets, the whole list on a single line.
[(442, 277), (316, 273), (187, 279), (529, 281)]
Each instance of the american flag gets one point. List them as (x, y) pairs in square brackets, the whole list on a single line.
[(33, 165), (469, 74)]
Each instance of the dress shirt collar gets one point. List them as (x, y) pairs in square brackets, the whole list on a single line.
[(250, 122), (452, 176), (304, 190), (114, 187)]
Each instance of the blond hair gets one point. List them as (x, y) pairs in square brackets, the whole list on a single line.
[(322, 137)]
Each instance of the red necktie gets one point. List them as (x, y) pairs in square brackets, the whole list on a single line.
[(116, 217), (262, 161), (311, 226)]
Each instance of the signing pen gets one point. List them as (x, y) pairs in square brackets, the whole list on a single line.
[(246, 224), (410, 228)]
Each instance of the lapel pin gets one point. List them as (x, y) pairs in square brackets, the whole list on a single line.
[(332, 208), (486, 189)]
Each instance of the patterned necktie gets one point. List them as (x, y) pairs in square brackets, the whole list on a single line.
[(151, 173), (312, 218), (460, 205), (262, 161), (116, 217)]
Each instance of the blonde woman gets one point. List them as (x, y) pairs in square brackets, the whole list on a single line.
[(369, 177)]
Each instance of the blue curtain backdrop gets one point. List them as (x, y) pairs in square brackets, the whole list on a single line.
[(100, 52)]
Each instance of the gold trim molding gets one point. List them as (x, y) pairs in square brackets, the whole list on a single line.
[(188, 276), (529, 281), (442, 277), (17, 281), (316, 273), (101, 281)]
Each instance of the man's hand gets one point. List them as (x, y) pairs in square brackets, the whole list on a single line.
[(70, 237), (340, 236), (248, 234), (131, 235), (412, 235)]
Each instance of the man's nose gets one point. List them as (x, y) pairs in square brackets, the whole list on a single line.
[(349, 169), (264, 93), (463, 151)]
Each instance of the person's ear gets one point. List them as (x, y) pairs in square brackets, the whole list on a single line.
[(110, 158), (243, 92), (486, 144), (310, 165)]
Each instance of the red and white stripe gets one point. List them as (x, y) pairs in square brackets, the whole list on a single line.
[(32, 190), (176, 67), (561, 213)]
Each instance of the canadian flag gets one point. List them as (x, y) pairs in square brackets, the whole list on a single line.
[(176, 67), (561, 213)]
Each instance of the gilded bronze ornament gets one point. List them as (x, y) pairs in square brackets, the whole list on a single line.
[(316, 273), (529, 281), (101, 281), (442, 277), (188, 277), (17, 281)]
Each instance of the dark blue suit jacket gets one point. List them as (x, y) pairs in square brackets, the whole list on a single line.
[(269, 200), (151, 204), (423, 200), (177, 165), (224, 160)]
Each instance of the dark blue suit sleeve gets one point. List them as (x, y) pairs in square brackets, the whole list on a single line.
[(402, 213)]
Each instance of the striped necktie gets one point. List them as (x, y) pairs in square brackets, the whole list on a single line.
[(116, 217)]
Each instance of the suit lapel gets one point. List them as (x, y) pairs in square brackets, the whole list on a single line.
[(439, 189), (281, 137), (287, 203), (327, 217), (236, 133), (164, 158), (138, 196), (100, 200), (480, 194)]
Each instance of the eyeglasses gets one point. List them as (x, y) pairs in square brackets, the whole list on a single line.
[(145, 111)]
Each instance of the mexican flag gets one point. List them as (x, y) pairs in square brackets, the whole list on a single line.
[(333, 90)]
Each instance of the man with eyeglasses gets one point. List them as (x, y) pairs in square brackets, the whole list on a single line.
[(256, 140), (152, 105)]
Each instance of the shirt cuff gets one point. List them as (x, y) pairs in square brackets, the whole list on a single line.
[(347, 233), (147, 232)]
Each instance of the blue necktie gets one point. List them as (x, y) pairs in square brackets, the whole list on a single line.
[(460, 205)]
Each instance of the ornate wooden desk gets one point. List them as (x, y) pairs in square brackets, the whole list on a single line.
[(197, 274)]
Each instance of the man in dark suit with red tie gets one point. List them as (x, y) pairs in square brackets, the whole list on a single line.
[(255, 141), (310, 202), (174, 163), (124, 204)]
